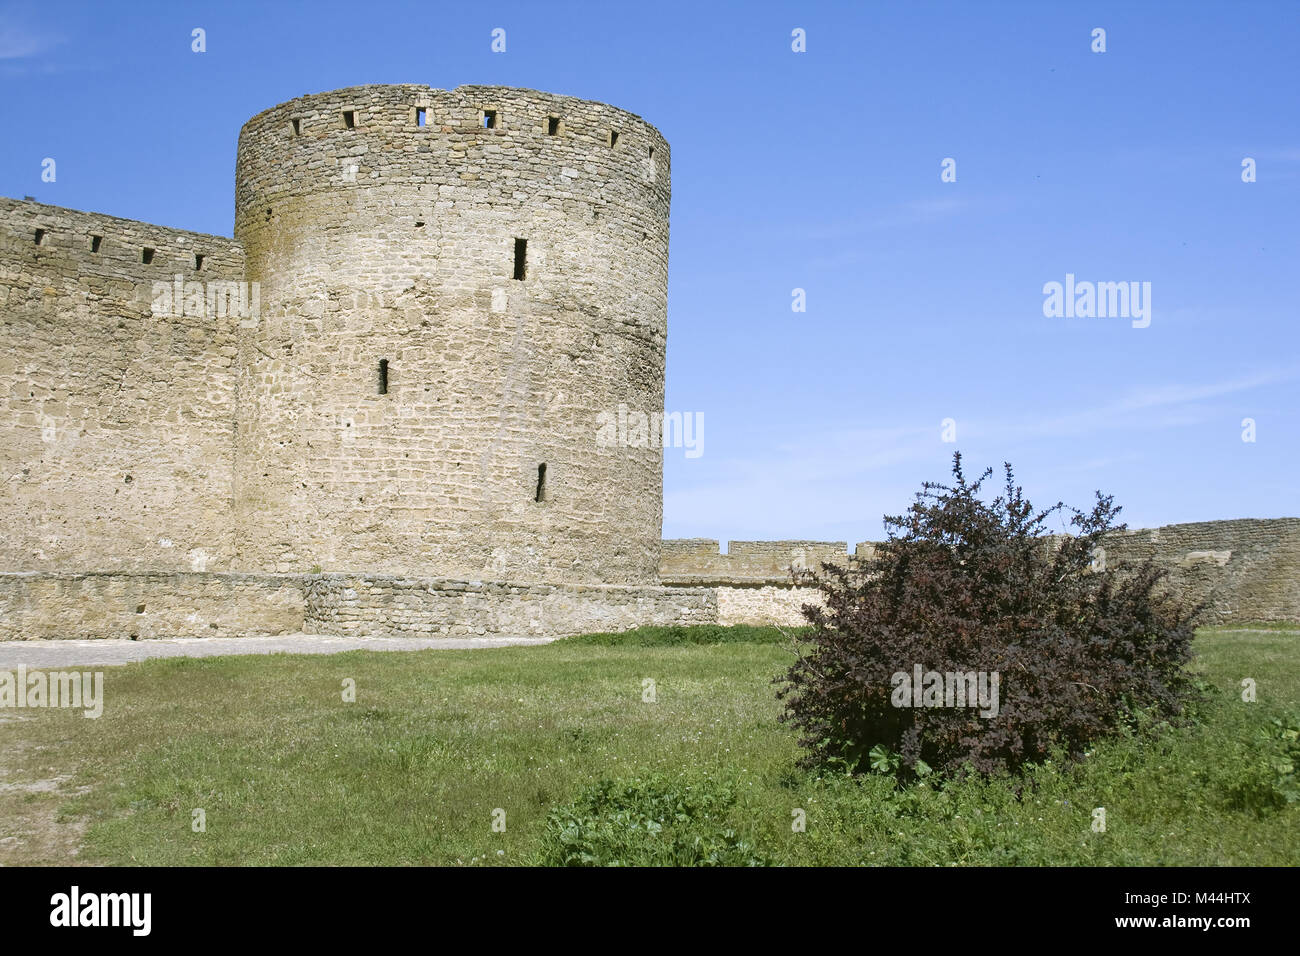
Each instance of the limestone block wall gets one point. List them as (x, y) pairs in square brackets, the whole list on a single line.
[(147, 605), (449, 288), (357, 605), (698, 560), (141, 606), (1247, 569), (116, 434), (752, 580), (766, 604), (504, 253)]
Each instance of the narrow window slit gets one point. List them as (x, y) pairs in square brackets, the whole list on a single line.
[(94, 243), (521, 258), (383, 376), (541, 483), (297, 127), (40, 236), (420, 116), (198, 261), (489, 119), (613, 137), (552, 126), (146, 255)]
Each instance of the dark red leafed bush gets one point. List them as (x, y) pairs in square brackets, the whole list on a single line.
[(974, 640)]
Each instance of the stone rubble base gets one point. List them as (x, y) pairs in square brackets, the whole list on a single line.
[(152, 606)]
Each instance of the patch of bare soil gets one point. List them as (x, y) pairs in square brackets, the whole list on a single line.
[(32, 833)]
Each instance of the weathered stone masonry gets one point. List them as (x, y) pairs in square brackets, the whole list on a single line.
[(117, 433), (365, 605), (1244, 570), (396, 432), (450, 287), (508, 260), (144, 605)]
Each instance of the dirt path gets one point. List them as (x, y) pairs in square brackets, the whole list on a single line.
[(107, 653), (31, 830)]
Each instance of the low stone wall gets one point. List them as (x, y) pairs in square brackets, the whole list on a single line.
[(766, 604), (140, 606), (1244, 570), (368, 605), (1247, 570), (143, 605), (699, 561)]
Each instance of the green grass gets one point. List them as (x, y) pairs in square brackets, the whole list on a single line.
[(411, 773), (679, 636)]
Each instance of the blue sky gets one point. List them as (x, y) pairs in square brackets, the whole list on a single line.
[(821, 171)]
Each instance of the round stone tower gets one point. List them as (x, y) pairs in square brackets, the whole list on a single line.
[(453, 286)]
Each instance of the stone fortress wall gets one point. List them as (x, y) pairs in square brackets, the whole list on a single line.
[(1244, 570), (504, 255), (442, 291), (117, 432), (391, 427)]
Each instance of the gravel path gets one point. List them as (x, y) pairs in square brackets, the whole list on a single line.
[(107, 653)]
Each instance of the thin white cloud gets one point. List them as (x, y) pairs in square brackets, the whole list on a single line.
[(823, 477), (20, 41), (1143, 406)]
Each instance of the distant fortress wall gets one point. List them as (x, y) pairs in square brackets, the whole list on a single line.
[(1246, 569)]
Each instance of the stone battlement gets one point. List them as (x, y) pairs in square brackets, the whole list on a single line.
[(1246, 569), (700, 561), (504, 139), (51, 242)]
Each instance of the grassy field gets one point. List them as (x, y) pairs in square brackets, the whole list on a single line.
[(287, 772)]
